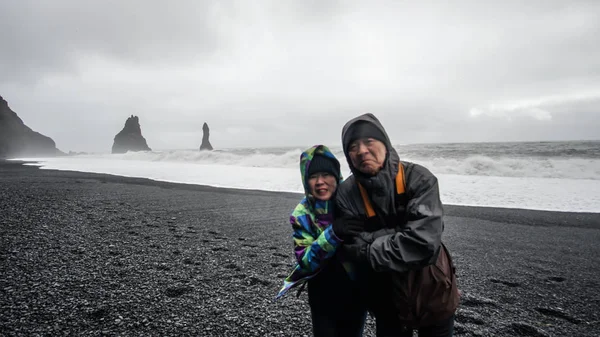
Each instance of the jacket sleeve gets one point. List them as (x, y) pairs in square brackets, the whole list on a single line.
[(311, 252), (417, 244)]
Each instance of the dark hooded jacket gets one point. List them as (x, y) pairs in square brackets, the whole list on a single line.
[(405, 236)]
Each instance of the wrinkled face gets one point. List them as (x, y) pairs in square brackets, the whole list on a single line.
[(322, 185), (367, 155)]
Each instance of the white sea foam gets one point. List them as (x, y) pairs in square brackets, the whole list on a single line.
[(249, 158), (474, 165), (570, 168), (282, 174)]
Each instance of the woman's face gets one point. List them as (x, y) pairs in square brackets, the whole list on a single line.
[(322, 185)]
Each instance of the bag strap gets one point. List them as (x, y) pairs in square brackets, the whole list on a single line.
[(400, 189)]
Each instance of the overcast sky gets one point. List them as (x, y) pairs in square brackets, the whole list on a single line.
[(291, 73)]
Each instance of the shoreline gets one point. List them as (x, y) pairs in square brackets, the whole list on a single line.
[(525, 215)]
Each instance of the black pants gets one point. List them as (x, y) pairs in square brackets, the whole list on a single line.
[(388, 328), (335, 309)]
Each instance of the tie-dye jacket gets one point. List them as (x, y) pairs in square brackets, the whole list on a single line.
[(314, 239)]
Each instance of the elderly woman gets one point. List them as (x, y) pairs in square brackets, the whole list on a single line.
[(404, 270), (317, 237)]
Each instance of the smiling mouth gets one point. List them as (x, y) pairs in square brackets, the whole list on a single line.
[(322, 191)]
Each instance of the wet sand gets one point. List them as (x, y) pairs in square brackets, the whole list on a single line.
[(92, 254)]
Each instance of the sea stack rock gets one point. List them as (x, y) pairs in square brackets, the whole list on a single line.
[(205, 142), (18, 140), (130, 138)]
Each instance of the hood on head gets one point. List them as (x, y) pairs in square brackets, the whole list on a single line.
[(365, 118), (306, 158)]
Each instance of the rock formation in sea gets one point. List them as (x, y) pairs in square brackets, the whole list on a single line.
[(130, 138), (205, 142), (18, 140)]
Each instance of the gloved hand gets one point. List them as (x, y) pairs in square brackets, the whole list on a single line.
[(356, 250), (369, 237), (346, 227)]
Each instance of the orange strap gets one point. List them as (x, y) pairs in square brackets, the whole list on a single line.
[(400, 188)]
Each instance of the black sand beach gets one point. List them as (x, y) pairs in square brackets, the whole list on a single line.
[(91, 254)]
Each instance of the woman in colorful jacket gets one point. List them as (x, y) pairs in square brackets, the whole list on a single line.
[(334, 311)]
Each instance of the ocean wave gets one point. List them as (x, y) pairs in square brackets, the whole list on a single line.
[(475, 165), (247, 158), (572, 168)]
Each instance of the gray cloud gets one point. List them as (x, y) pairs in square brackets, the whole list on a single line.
[(292, 72)]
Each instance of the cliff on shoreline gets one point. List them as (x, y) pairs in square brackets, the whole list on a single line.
[(19, 140)]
